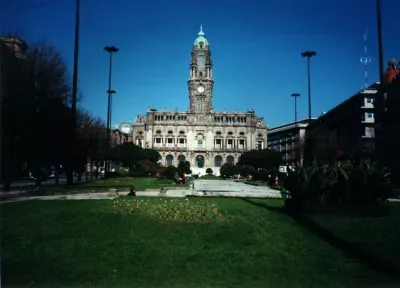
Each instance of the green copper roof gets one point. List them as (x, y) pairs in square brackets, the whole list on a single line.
[(201, 38)]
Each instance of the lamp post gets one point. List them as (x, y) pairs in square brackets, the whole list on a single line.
[(111, 50), (295, 95), (71, 163), (380, 48), (308, 55)]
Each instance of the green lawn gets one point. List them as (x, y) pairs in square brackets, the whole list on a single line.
[(379, 235), (127, 182), (164, 242)]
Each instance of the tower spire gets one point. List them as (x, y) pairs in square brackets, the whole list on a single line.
[(201, 33)]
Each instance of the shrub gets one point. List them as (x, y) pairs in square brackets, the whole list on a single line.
[(359, 183), (137, 173), (209, 171), (209, 176), (184, 167), (363, 183), (261, 175), (228, 170), (147, 166), (169, 172), (245, 170)]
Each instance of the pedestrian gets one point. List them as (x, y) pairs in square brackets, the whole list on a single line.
[(132, 191)]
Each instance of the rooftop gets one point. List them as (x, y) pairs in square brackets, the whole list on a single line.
[(201, 38)]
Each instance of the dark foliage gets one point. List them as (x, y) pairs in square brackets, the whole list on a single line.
[(361, 183), (266, 159), (129, 155), (37, 117)]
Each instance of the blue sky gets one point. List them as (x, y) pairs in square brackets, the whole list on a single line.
[(256, 46)]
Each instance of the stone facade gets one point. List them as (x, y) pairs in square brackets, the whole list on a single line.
[(205, 138)]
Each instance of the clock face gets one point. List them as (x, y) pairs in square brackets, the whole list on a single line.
[(200, 89)]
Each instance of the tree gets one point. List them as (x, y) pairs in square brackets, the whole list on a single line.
[(37, 111), (91, 137), (184, 167), (267, 159), (129, 154), (40, 83), (228, 170), (209, 171)]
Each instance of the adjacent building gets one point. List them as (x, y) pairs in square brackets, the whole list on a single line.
[(389, 127), (289, 140), (348, 127), (202, 136)]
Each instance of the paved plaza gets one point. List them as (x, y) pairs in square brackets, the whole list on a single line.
[(205, 188), (226, 188)]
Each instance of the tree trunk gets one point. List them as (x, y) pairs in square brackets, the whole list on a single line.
[(56, 175), (91, 169), (70, 178)]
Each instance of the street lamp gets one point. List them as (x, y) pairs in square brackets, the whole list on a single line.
[(308, 55), (111, 92), (111, 50), (295, 95), (380, 48), (74, 95)]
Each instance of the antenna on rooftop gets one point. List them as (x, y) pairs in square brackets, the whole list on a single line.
[(365, 60)]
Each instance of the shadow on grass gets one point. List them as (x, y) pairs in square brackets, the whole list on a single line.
[(348, 248)]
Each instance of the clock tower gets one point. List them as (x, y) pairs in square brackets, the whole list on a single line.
[(201, 81)]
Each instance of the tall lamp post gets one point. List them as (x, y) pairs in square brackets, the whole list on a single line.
[(111, 50), (379, 102), (71, 161), (308, 55), (380, 48), (295, 95)]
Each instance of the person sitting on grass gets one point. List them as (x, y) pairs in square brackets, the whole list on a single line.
[(132, 191)]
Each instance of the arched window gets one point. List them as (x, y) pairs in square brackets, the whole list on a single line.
[(200, 161), (230, 160), (169, 160), (218, 161), (181, 158)]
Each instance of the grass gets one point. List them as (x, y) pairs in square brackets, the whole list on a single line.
[(159, 242), (377, 234), (141, 183)]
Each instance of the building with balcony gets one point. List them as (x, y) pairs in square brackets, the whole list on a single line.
[(289, 139), (118, 136), (348, 127), (202, 136)]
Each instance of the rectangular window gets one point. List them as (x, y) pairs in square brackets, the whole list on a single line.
[(200, 104), (181, 141), (158, 140), (370, 115), (370, 100), (201, 61)]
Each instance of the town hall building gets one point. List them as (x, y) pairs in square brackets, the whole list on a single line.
[(202, 136)]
